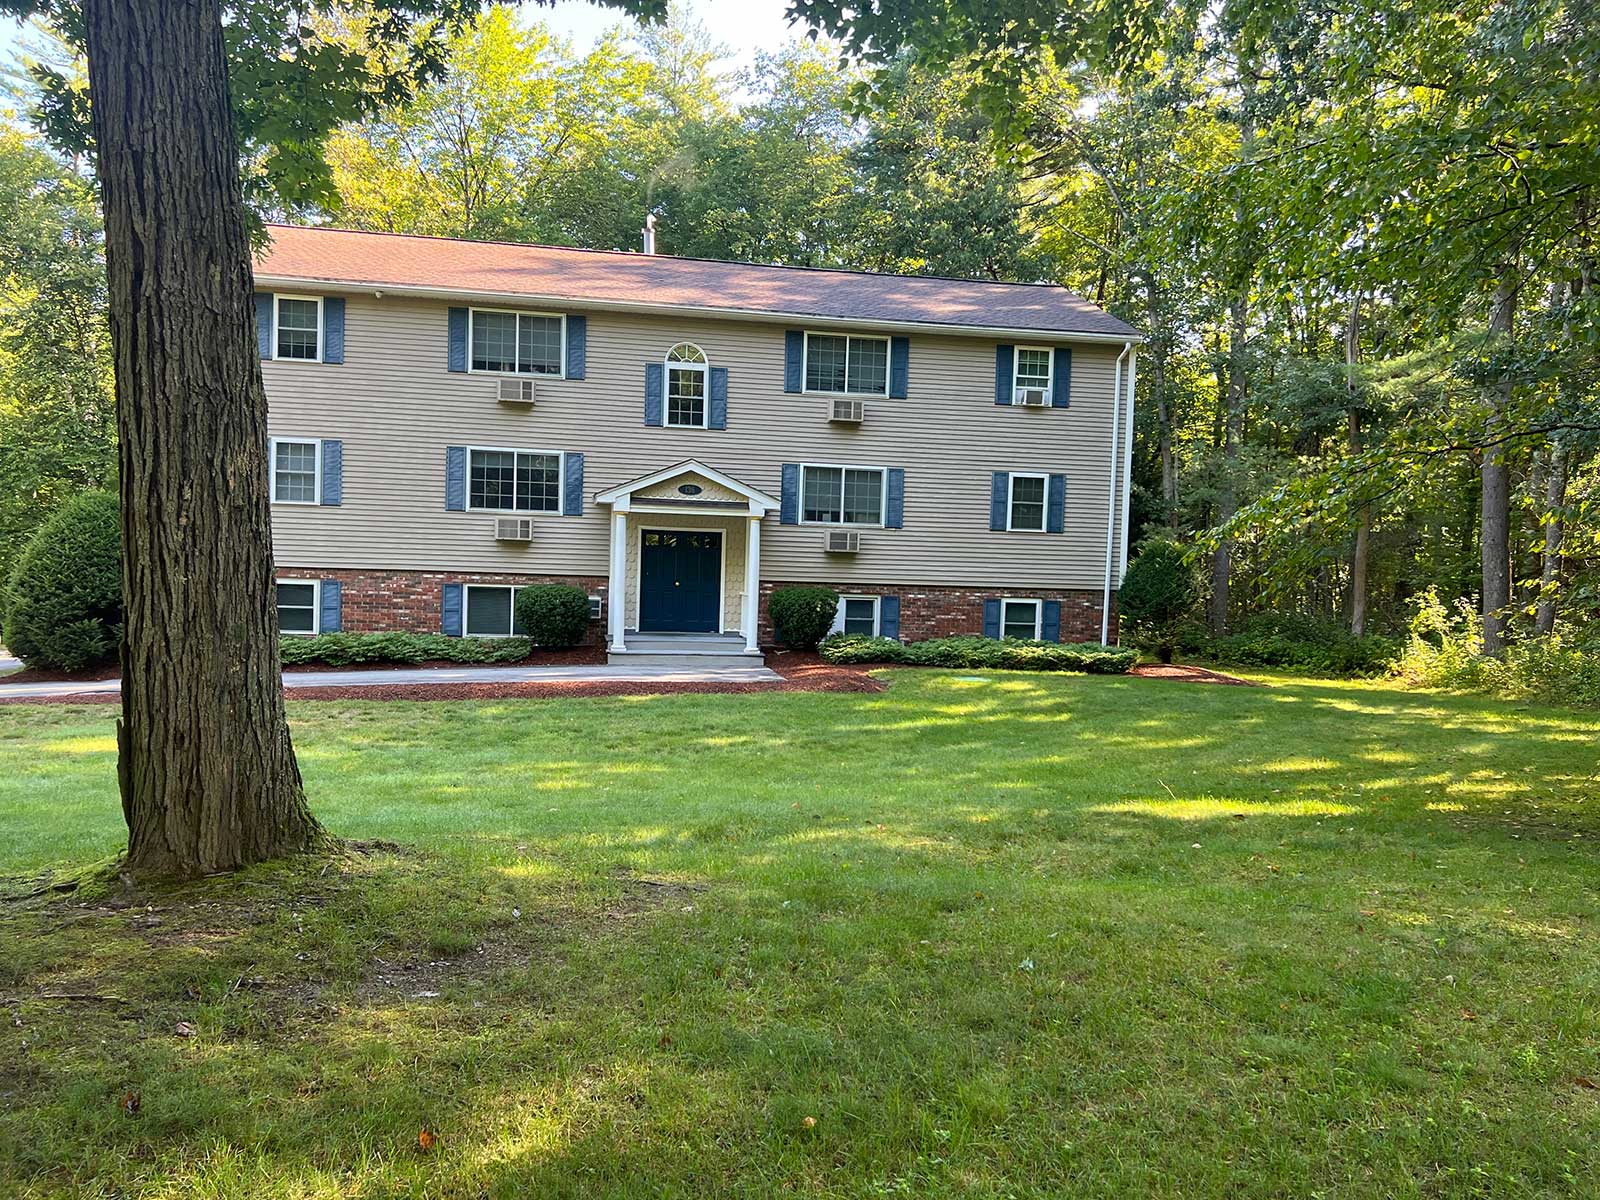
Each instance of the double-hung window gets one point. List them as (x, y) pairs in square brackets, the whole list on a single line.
[(514, 480), (298, 328), (837, 362), (297, 605), (296, 471), (492, 611), (686, 386), (1034, 368), (1020, 618), (516, 343), (858, 614), (842, 495), (1027, 503)]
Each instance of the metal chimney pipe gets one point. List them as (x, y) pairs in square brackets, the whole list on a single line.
[(649, 232)]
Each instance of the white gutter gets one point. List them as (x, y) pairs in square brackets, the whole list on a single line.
[(1111, 496), (733, 314)]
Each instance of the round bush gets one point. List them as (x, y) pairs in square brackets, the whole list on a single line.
[(1158, 594), (64, 601), (802, 616), (553, 615)]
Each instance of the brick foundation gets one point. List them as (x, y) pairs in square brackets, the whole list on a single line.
[(936, 611), (409, 601)]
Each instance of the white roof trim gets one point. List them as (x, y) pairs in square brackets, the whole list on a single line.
[(691, 466), (774, 316)]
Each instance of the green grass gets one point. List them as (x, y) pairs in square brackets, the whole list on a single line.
[(996, 935)]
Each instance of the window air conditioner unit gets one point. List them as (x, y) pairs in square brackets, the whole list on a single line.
[(516, 391), (848, 412), (1031, 397), (513, 529), (842, 541)]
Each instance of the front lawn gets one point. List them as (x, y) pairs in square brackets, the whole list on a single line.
[(981, 935)]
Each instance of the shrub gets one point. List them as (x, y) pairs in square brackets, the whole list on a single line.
[(553, 615), (1158, 595), (1295, 642), (802, 616), (350, 649), (1000, 654), (64, 602)]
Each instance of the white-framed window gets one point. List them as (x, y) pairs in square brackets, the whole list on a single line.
[(841, 495), (686, 386), (506, 342), (596, 606), (296, 470), (857, 614), (297, 328), (299, 606), (1025, 509), (1021, 618), (513, 480), (1035, 368), (491, 610), (847, 364)]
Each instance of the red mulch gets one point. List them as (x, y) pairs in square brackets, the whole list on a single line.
[(1182, 673), (800, 673), (40, 675)]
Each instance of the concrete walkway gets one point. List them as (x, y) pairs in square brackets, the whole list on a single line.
[(411, 676)]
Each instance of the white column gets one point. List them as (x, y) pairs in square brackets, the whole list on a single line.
[(617, 594), (752, 583)]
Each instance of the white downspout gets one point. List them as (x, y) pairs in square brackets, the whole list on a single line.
[(1127, 476), (1111, 495)]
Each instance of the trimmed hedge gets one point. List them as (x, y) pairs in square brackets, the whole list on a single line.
[(64, 601), (999, 654), (553, 615), (802, 616), (349, 649)]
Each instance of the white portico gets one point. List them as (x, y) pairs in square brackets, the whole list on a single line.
[(685, 565)]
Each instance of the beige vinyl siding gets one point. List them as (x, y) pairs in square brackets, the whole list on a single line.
[(397, 407)]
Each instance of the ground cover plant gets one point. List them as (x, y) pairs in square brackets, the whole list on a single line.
[(350, 649), (982, 934)]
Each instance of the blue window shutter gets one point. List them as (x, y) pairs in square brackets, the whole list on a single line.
[(717, 418), (1050, 623), (458, 339), (789, 495), (999, 498), (894, 510), (450, 611), (889, 617), (899, 366), (264, 323), (794, 352), (333, 329), (1055, 520), (572, 494), (328, 620), (652, 393), (1061, 389), (1005, 360), (455, 478), (332, 471), (991, 618), (577, 346)]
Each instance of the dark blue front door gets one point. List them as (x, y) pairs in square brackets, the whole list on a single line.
[(680, 580)]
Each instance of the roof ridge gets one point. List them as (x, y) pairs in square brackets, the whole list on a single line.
[(726, 262)]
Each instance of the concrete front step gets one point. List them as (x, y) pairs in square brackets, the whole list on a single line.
[(690, 651)]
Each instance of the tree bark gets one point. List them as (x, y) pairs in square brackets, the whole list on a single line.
[(1495, 538), (1358, 555), (1158, 384), (207, 771), (1555, 499), (1232, 435)]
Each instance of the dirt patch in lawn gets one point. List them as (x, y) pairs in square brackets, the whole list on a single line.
[(1183, 673)]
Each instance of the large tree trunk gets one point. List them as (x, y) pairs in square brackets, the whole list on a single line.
[(1555, 499), (208, 774), (1358, 556), (1495, 540)]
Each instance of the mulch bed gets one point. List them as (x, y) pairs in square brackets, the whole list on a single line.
[(1181, 673), (800, 673)]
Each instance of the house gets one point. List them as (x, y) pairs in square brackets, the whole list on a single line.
[(451, 420)]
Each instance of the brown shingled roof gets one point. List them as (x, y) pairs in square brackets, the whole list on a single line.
[(613, 277)]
